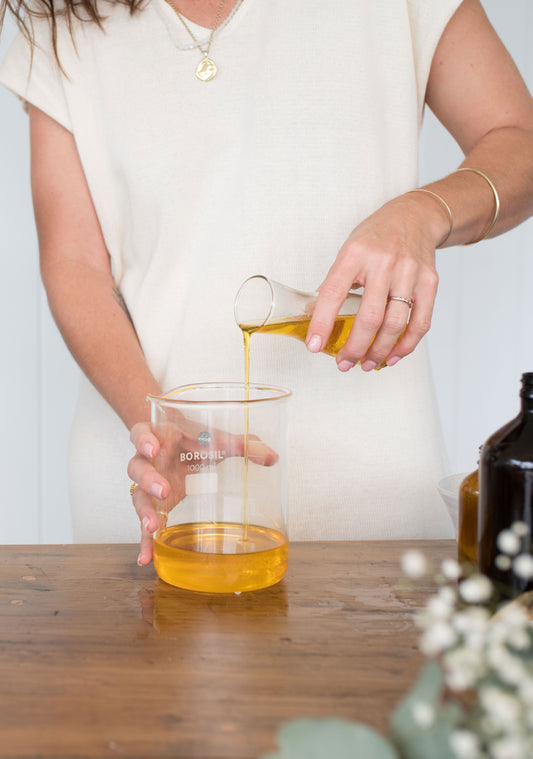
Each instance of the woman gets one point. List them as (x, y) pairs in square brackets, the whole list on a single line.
[(157, 192)]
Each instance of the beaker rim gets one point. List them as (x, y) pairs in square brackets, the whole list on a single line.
[(277, 393)]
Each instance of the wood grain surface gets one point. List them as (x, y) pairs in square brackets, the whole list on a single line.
[(99, 658)]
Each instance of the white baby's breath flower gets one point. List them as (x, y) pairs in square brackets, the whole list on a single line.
[(476, 589), (523, 566), (503, 562), (447, 594), (465, 744), (487, 727), (414, 564), (480, 653), (519, 639), (513, 672), (497, 654), (508, 542), (497, 635), (510, 627), (451, 569), (459, 680), (520, 528), (502, 708), (525, 690), (474, 619), (512, 616), (477, 642), (423, 714), (463, 668), (510, 747), (439, 608), (510, 669), (437, 638)]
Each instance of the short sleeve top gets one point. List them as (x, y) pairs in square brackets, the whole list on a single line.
[(310, 124)]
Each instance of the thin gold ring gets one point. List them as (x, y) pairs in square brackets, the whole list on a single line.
[(133, 486), (399, 297)]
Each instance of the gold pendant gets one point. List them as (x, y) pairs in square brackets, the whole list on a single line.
[(206, 69)]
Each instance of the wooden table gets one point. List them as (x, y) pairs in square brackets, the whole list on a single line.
[(99, 658)]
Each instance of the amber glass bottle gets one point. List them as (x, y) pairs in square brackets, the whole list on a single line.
[(468, 517), (506, 490)]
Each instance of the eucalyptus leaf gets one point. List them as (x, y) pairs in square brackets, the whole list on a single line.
[(428, 687), (331, 739), (417, 741)]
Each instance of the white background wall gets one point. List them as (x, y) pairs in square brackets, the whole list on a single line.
[(482, 334), (480, 343)]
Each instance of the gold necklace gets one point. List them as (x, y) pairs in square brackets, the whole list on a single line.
[(206, 69)]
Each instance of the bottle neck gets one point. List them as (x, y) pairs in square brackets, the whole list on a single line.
[(527, 404), (526, 393)]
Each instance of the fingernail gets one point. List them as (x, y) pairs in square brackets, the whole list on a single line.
[(345, 365), (148, 450), (367, 366), (146, 524), (314, 344), (393, 360), (157, 490), (139, 563)]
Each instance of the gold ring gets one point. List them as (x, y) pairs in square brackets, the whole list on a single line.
[(133, 486), (399, 297)]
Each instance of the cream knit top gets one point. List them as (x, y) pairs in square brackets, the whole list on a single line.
[(311, 123)]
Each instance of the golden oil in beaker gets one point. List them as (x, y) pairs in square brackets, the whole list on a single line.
[(216, 557)]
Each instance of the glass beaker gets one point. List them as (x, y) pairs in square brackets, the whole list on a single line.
[(223, 528), (265, 306)]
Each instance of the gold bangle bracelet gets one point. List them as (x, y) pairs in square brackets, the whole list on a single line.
[(496, 202), (446, 206)]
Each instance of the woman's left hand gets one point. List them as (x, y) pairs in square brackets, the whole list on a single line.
[(165, 454), (391, 253)]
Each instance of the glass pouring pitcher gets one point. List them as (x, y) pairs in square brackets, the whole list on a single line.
[(265, 306), (223, 528)]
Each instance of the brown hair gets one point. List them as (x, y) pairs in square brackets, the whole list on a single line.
[(24, 11)]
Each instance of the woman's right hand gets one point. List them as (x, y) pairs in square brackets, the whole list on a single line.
[(166, 482)]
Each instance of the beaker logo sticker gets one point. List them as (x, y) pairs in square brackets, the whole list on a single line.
[(202, 456)]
